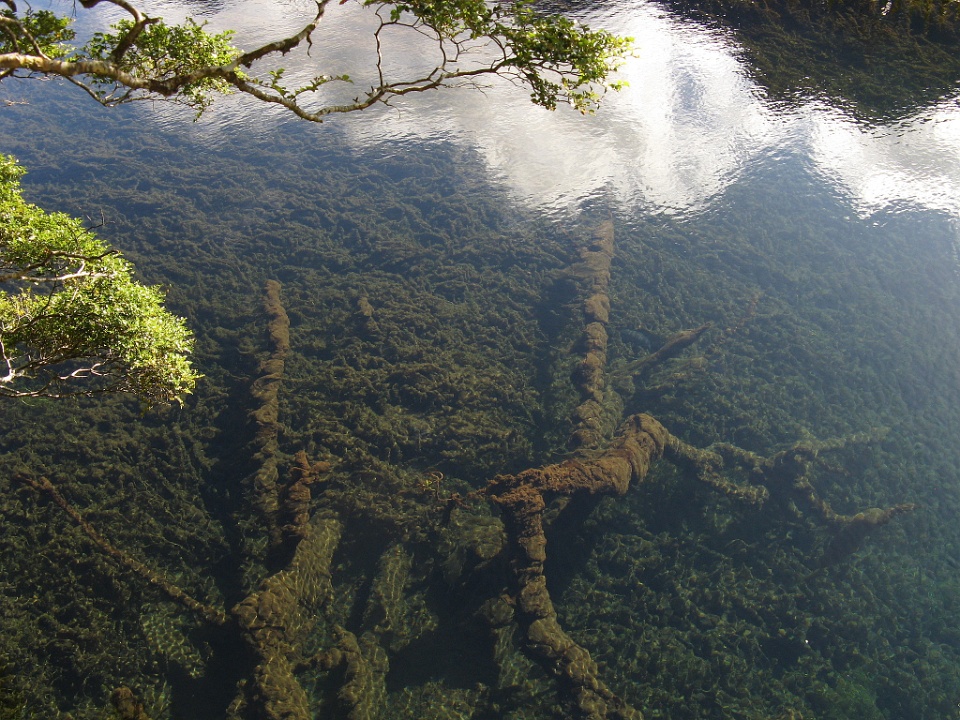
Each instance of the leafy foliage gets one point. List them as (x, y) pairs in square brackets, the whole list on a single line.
[(554, 55), (37, 31), (163, 52), (70, 310)]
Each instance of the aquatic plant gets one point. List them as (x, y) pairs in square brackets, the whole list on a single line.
[(279, 618)]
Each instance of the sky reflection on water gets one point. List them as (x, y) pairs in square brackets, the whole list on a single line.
[(684, 130)]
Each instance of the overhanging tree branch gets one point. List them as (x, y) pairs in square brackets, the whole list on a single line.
[(73, 320), (142, 57)]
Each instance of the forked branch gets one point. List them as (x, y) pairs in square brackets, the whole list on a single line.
[(143, 57)]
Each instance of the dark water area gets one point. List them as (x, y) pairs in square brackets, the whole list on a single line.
[(878, 65), (435, 333)]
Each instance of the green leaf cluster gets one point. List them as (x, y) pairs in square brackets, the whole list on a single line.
[(143, 57), (586, 57), (560, 59), (159, 52), (72, 318), (35, 30)]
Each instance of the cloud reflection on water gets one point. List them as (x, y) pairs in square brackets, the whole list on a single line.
[(916, 161), (687, 126)]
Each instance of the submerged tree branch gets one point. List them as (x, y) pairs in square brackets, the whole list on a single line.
[(207, 612)]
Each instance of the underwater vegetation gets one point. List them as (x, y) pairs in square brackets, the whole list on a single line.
[(354, 570), (430, 472)]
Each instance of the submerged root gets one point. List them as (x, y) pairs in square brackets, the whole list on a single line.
[(293, 513), (277, 621), (785, 477), (127, 705), (210, 614), (670, 349), (643, 440), (850, 531)]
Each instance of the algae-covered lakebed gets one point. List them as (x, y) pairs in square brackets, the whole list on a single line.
[(506, 414)]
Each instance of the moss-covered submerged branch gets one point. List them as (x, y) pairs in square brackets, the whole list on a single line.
[(590, 416), (265, 391), (276, 620), (627, 460), (129, 563)]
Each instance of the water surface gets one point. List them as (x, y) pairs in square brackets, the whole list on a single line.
[(823, 250)]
